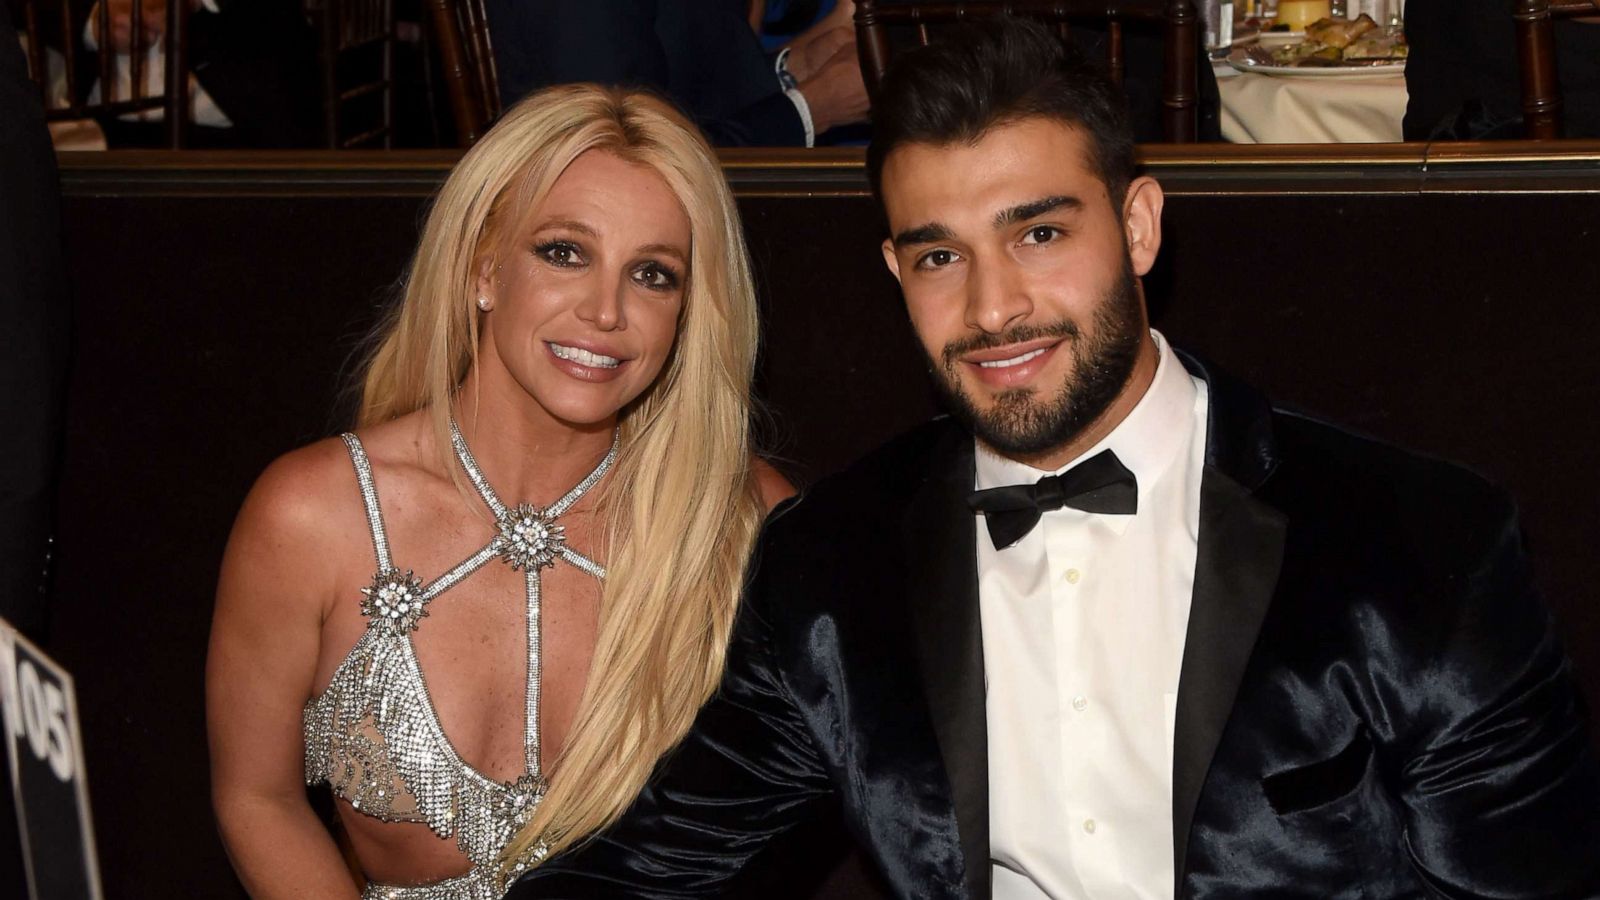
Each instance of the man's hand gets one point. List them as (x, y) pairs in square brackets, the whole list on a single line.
[(809, 53), (835, 92)]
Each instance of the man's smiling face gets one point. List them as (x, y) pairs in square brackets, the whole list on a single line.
[(1020, 275)]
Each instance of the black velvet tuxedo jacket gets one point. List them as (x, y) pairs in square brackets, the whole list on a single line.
[(1372, 703)]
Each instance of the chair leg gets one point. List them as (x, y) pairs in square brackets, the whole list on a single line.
[(1536, 55), (1180, 95), (452, 58), (177, 74), (872, 45)]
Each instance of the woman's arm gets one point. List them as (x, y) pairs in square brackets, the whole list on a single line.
[(259, 672)]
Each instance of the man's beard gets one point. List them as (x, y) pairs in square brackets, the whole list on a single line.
[(1020, 424)]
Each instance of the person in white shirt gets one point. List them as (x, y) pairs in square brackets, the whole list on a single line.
[(1117, 627), (253, 69)]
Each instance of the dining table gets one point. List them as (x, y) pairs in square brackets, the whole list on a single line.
[(1314, 106)]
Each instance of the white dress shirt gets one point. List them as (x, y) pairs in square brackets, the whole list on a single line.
[(1083, 631)]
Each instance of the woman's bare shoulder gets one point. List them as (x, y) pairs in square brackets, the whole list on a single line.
[(771, 485), (302, 499), (314, 490)]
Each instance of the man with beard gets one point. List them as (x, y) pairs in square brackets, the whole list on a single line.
[(1118, 627)]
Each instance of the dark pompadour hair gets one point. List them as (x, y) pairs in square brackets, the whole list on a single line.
[(994, 72)]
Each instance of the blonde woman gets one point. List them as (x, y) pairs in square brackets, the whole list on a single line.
[(486, 613)]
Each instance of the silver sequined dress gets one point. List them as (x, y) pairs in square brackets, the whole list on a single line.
[(373, 734)]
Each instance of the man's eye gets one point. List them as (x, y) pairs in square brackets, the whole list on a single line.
[(560, 253), (1041, 234), (936, 259), (657, 276)]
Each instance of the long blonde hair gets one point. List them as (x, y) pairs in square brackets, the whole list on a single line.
[(681, 501)]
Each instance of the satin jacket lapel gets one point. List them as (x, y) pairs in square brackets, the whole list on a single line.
[(1237, 564), (942, 589)]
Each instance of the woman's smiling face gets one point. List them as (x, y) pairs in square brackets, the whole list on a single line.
[(585, 299)]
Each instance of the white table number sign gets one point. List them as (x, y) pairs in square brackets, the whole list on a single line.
[(45, 752)]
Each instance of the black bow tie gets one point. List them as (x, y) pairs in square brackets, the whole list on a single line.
[(1099, 485)]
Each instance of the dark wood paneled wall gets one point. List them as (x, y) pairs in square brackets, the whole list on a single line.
[(1445, 301)]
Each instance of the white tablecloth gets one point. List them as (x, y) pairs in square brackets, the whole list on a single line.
[(1276, 109)]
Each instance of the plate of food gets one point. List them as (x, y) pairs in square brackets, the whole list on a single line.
[(1334, 48), (1271, 38)]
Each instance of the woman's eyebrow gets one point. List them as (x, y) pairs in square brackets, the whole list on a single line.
[(666, 250), (570, 225)]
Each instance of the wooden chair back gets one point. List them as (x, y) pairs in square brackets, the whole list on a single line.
[(1536, 58), (73, 102), (356, 41), (461, 28), (1180, 82)]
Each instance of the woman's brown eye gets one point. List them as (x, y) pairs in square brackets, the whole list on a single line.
[(559, 253), (655, 276)]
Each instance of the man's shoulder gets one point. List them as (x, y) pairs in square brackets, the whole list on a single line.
[(863, 508), (884, 480), (1332, 478), (843, 536)]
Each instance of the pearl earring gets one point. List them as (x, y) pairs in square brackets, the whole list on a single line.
[(484, 303)]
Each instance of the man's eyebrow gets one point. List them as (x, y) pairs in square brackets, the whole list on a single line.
[(922, 234), (1022, 212)]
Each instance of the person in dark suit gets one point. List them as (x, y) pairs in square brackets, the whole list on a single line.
[(33, 368), (33, 341), (1462, 77), (701, 53), (1117, 626)]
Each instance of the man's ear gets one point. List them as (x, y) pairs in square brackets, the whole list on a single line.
[(1141, 222), (890, 260)]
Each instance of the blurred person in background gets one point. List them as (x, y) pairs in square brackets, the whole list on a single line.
[(253, 69), (703, 54)]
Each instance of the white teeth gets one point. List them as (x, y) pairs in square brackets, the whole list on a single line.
[(1013, 361), (584, 358)]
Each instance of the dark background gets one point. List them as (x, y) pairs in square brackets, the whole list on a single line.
[(1444, 303)]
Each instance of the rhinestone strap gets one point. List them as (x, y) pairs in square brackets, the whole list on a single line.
[(369, 497), (531, 740), (558, 508), (529, 539), (466, 567)]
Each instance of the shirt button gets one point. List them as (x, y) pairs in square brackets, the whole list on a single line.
[(1088, 826), (1073, 575), (1080, 703)]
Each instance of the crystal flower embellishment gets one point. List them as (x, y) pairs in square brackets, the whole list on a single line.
[(394, 601), (530, 538), (515, 805)]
